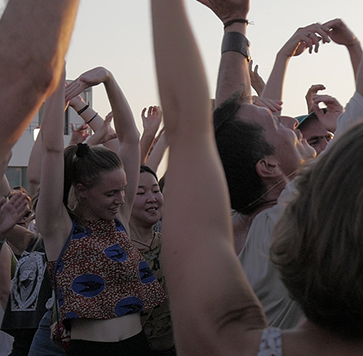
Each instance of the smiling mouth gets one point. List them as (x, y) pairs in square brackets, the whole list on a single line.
[(152, 209)]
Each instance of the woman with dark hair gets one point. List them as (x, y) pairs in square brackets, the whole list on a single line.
[(101, 280), (146, 212)]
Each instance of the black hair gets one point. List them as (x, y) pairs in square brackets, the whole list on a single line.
[(240, 145)]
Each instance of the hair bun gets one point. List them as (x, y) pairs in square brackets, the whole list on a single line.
[(82, 149)]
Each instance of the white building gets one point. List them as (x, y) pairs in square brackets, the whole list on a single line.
[(17, 168)]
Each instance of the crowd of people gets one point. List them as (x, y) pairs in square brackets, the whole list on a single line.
[(250, 244)]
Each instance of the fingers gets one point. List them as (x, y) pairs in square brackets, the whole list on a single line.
[(75, 88), (314, 89), (109, 116), (272, 105), (328, 100), (313, 34), (143, 113)]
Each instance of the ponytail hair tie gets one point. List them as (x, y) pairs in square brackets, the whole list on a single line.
[(82, 149)]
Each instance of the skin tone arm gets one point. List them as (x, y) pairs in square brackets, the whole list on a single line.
[(305, 37), (32, 49), (53, 220), (79, 134), (157, 152), (127, 133), (233, 73), (104, 134), (150, 123), (342, 35), (257, 82), (5, 275), (212, 314), (4, 183), (11, 212), (34, 165), (77, 103)]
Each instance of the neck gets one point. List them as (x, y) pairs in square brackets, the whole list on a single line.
[(141, 233)]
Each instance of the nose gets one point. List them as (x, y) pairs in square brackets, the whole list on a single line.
[(120, 197), (289, 122), (150, 197)]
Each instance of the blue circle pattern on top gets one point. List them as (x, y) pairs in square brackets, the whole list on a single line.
[(129, 305), (116, 253), (88, 285), (145, 273)]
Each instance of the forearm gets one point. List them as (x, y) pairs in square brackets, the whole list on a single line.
[(146, 142), (35, 166), (95, 122), (157, 153), (53, 121), (30, 61), (19, 237), (123, 118), (233, 73), (355, 53), (274, 86)]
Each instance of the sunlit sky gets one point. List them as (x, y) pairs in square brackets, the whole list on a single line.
[(117, 35)]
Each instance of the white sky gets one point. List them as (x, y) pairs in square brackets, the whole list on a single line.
[(117, 35)]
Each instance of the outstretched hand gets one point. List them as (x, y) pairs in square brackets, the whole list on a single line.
[(88, 79), (311, 93), (340, 33), (79, 134), (333, 110), (152, 120), (104, 134), (12, 211), (257, 82), (306, 37), (271, 104), (228, 10)]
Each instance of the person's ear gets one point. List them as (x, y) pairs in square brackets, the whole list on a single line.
[(268, 168), (80, 190)]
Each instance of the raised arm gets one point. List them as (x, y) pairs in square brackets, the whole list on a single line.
[(305, 37), (127, 133), (34, 37), (53, 220), (157, 151), (342, 35), (93, 120), (150, 122), (233, 69), (210, 306)]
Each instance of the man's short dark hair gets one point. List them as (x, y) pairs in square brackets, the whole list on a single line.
[(240, 145)]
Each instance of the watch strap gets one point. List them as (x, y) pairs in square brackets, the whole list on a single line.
[(236, 42)]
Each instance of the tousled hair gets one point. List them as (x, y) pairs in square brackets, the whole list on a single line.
[(240, 145), (318, 243)]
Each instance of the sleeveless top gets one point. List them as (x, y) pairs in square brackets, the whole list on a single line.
[(30, 290), (271, 342), (102, 275), (156, 322)]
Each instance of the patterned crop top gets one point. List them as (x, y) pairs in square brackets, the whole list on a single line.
[(102, 275)]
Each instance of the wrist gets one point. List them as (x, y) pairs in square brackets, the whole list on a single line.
[(283, 57), (236, 27), (236, 42)]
